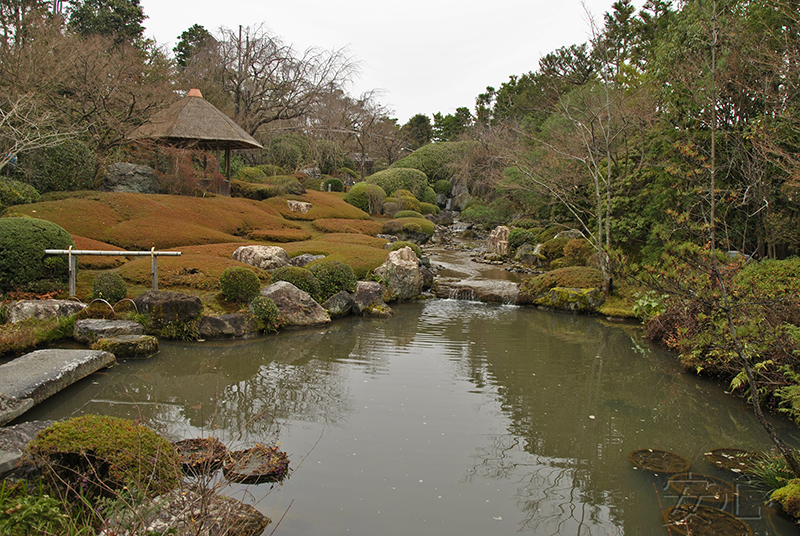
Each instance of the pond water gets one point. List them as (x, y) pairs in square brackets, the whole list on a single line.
[(452, 417)]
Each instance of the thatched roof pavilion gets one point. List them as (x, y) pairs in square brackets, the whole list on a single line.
[(194, 122)]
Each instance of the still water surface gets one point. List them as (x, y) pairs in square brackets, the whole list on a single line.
[(452, 417)]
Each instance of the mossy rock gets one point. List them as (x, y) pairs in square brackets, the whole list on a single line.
[(577, 300), (789, 497), (129, 346), (572, 277)]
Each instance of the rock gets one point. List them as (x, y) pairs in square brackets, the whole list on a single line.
[(127, 177), (389, 238), (577, 300), (169, 306), (428, 275), (528, 254), (128, 346), (497, 242), (368, 299), (441, 200), (302, 260), (569, 233), (13, 441), (312, 172), (43, 373), (41, 309), (400, 274), (226, 326), (340, 304), (297, 307), (11, 408), (299, 206), (460, 201), (92, 329), (265, 257), (186, 511)]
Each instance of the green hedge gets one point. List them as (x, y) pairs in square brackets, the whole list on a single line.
[(23, 263), (366, 196), (16, 193), (436, 160), (333, 277), (392, 180), (239, 284), (302, 278)]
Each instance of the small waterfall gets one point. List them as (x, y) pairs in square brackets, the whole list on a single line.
[(466, 294)]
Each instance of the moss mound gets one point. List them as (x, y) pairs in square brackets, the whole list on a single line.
[(572, 277)]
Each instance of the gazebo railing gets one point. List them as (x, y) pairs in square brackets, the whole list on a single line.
[(73, 254)]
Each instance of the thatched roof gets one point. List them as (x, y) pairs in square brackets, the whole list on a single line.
[(194, 121)]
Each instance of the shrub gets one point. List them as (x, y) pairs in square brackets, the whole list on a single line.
[(517, 237), (23, 263), (429, 208), (250, 174), (407, 214), (496, 213), (407, 201), (526, 223), (392, 180), (428, 196), (289, 151), (574, 277), (577, 251), (239, 284), (16, 193), (302, 278), (333, 277), (436, 160), (64, 167), (390, 208), (400, 244), (106, 452), (109, 286), (553, 249), (266, 312), (333, 184), (330, 157), (271, 170), (442, 186), (366, 196)]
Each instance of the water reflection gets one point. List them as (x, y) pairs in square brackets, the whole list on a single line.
[(449, 417)]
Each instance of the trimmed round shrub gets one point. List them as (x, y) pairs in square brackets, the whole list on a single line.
[(333, 277), (517, 237), (400, 244), (578, 251), (23, 263), (366, 196), (390, 208), (333, 184), (442, 187), (109, 286), (302, 278), (239, 284), (266, 312), (428, 196), (407, 201), (553, 249), (65, 167), (106, 452), (16, 193), (407, 214), (428, 208), (250, 174), (394, 179), (436, 160)]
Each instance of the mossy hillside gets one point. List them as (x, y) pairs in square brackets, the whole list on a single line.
[(279, 235), (362, 258), (194, 271), (326, 205), (97, 262), (573, 277), (331, 225)]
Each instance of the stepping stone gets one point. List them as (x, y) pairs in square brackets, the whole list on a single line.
[(92, 329), (128, 346)]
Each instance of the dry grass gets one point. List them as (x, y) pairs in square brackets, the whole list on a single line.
[(367, 227), (279, 235), (326, 205), (197, 271), (97, 262), (361, 258)]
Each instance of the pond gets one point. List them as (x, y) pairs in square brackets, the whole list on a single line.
[(452, 417)]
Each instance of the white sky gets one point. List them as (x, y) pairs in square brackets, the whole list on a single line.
[(421, 56)]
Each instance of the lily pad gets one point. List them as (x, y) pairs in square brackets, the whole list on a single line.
[(736, 460), (201, 455), (701, 520), (256, 465), (703, 487), (660, 461)]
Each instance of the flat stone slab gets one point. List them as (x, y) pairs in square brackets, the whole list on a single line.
[(13, 440), (92, 329), (11, 408), (129, 346), (40, 374)]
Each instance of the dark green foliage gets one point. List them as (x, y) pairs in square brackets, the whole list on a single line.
[(333, 277), (394, 179), (428, 208), (65, 167), (106, 452), (428, 196), (192, 41), (400, 244), (289, 151), (329, 156), (553, 249), (302, 278), (436, 160), (16, 193), (23, 264), (573, 277), (407, 214), (517, 237), (451, 127), (266, 312), (333, 184), (418, 131), (267, 187), (366, 196), (120, 19), (239, 284), (496, 213), (442, 187), (250, 174), (26, 510), (527, 223), (109, 286)]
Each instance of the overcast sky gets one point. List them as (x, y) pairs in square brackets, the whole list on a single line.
[(423, 56)]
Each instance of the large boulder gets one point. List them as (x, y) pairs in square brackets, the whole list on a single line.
[(302, 260), (401, 274), (41, 309), (128, 346), (92, 329), (297, 307), (368, 299), (169, 306), (127, 177), (576, 300), (497, 243), (340, 304), (226, 326), (265, 257)]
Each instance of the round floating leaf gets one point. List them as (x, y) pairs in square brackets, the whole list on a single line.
[(660, 461)]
